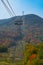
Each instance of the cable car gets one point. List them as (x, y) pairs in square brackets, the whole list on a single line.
[(18, 22)]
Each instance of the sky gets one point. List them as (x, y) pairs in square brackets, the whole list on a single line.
[(28, 6)]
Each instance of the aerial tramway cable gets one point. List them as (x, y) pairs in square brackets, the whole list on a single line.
[(11, 8), (10, 13)]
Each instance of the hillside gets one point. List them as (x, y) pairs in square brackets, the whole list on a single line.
[(13, 38), (32, 31)]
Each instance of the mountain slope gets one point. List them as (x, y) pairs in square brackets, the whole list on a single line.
[(32, 31)]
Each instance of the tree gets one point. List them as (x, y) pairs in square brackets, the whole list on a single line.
[(3, 49)]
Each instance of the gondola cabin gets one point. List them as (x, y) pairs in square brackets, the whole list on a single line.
[(18, 22)]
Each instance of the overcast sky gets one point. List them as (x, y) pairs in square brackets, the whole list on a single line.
[(28, 6)]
